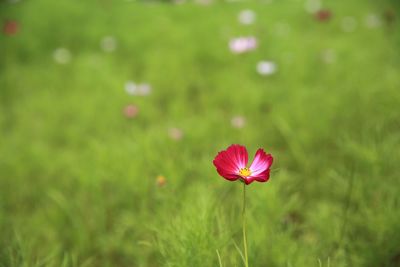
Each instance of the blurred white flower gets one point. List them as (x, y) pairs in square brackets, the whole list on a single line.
[(175, 133), (247, 17), (130, 88), (62, 55), (373, 21), (242, 44), (108, 44), (312, 6), (266, 68), (144, 89), (238, 122), (328, 56), (141, 89), (349, 24)]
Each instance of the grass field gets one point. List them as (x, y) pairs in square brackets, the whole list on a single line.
[(78, 179)]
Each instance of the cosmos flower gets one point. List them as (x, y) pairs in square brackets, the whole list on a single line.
[(232, 165), (247, 17), (266, 68), (323, 15), (131, 111), (242, 44), (10, 27)]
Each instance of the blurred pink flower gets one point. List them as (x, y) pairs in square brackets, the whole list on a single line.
[(10, 27), (238, 122), (175, 133), (242, 44), (131, 111), (323, 15)]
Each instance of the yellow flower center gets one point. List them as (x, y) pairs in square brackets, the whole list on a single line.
[(245, 172)]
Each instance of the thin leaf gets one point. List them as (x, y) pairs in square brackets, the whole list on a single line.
[(240, 252), (219, 259)]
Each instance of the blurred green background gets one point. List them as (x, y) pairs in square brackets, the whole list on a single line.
[(96, 170)]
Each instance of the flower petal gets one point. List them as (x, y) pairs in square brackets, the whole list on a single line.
[(239, 155), (262, 177), (230, 161), (260, 166)]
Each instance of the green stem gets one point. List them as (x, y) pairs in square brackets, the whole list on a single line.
[(244, 227)]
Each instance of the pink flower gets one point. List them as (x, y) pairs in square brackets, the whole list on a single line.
[(175, 133), (323, 15), (232, 165), (10, 27), (131, 111), (242, 44), (238, 122)]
